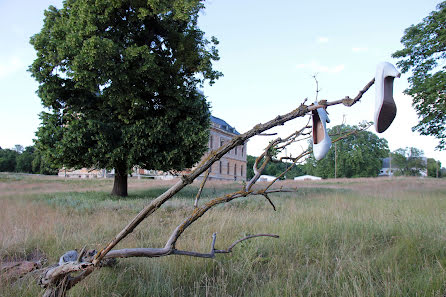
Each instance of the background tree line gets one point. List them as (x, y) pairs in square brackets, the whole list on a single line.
[(359, 155), (411, 161), (26, 160)]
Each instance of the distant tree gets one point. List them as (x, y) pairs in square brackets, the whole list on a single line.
[(8, 160), (43, 166), (249, 163), (408, 161), (120, 80), (433, 167), (358, 155), (424, 54), (18, 148), (275, 169), (25, 159)]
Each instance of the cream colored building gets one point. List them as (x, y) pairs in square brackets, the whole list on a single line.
[(231, 166)]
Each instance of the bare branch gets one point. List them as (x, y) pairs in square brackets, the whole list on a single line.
[(54, 274), (268, 134), (269, 200), (229, 249), (138, 252), (214, 156), (347, 101), (148, 252), (317, 86), (82, 253), (203, 182)]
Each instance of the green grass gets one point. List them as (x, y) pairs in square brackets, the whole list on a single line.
[(337, 238)]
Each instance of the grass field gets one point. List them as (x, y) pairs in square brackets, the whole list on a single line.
[(345, 237)]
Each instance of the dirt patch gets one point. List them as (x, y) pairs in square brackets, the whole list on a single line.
[(15, 267)]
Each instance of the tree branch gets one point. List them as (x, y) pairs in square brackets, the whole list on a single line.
[(203, 182), (214, 156), (57, 279)]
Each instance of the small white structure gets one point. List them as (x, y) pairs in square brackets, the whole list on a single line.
[(307, 177), (267, 178)]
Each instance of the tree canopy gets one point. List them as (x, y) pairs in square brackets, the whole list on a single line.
[(424, 53), (409, 161), (119, 79), (433, 168), (26, 160), (274, 169), (8, 160), (358, 155)]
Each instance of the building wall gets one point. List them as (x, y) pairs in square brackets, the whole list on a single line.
[(231, 166)]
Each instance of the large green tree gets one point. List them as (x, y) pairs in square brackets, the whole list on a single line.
[(424, 53), (358, 155), (408, 161), (119, 79)]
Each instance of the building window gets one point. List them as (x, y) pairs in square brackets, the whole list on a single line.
[(221, 165), (235, 169), (228, 168), (242, 149), (241, 170), (235, 151), (211, 142)]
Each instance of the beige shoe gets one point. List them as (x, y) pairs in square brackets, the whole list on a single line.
[(385, 108), (321, 140)]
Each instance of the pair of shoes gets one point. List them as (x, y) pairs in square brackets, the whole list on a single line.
[(385, 110)]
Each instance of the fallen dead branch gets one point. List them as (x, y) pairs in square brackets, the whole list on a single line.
[(57, 280)]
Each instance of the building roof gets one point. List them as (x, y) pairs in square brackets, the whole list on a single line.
[(223, 125)]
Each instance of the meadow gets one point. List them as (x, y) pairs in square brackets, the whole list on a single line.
[(344, 237)]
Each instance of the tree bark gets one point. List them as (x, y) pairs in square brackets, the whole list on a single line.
[(120, 183)]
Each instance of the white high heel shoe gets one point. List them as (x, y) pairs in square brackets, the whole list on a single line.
[(321, 140), (385, 108)]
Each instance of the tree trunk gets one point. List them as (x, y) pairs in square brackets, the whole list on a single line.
[(120, 183)]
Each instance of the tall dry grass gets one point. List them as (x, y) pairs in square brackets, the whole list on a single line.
[(352, 237)]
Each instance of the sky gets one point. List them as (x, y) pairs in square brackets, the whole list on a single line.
[(269, 52)]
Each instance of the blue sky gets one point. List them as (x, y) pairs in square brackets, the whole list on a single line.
[(269, 51)]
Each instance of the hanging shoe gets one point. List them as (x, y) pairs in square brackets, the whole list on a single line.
[(385, 108), (321, 140)]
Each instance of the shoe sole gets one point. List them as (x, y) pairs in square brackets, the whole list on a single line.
[(388, 109)]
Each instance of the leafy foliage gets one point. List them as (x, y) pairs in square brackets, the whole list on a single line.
[(8, 160), (425, 54), (26, 160), (274, 169), (408, 161), (120, 81), (358, 155), (433, 168)]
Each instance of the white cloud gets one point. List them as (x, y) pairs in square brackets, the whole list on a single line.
[(318, 68), (10, 65), (322, 40), (359, 49)]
